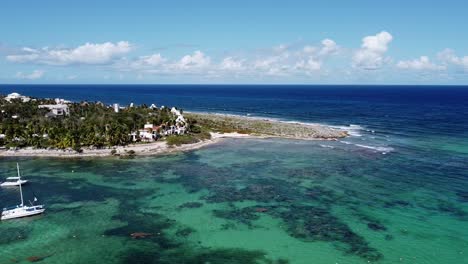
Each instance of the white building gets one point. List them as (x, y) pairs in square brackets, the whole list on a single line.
[(13, 96), (148, 133), (61, 101), (56, 110), (180, 117), (116, 107)]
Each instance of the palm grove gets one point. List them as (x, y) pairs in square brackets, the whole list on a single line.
[(24, 124)]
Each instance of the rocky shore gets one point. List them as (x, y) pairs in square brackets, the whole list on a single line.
[(266, 127)]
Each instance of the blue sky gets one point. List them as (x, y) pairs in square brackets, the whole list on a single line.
[(310, 42)]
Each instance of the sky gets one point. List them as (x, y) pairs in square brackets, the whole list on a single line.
[(234, 42)]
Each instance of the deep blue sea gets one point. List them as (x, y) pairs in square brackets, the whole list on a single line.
[(436, 109), (395, 191)]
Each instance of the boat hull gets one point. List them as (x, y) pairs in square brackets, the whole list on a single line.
[(12, 184), (20, 213)]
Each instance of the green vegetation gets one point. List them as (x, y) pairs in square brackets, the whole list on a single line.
[(263, 127), (23, 124), (180, 140), (197, 134)]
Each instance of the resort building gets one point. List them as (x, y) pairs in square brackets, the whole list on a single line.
[(14, 96), (149, 133), (116, 107), (61, 101), (56, 110)]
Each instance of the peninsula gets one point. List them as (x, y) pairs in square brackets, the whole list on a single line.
[(61, 128)]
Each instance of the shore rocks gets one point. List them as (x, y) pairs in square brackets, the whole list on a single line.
[(266, 127)]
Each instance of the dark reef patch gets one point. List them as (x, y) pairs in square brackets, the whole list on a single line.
[(191, 205), (284, 199), (148, 223), (244, 216), (13, 234), (450, 208), (462, 196), (311, 223), (394, 203), (198, 256), (376, 226), (184, 232)]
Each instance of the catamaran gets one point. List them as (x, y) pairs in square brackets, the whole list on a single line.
[(21, 210), (13, 181)]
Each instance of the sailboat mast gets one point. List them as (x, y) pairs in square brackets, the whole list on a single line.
[(21, 189)]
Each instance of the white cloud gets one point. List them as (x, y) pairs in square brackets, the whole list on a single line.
[(448, 56), (88, 53), (280, 48), (371, 56), (197, 60), (22, 58), (329, 47), (232, 64), (273, 66), (151, 60), (37, 74), (423, 63), (310, 49), (310, 65)]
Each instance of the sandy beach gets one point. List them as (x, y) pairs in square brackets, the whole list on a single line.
[(143, 149), (249, 127)]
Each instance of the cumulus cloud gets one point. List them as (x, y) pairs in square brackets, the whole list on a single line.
[(151, 60), (371, 56), (197, 60), (232, 64), (310, 65), (36, 74), (448, 56), (421, 64), (329, 47), (88, 53), (272, 65)]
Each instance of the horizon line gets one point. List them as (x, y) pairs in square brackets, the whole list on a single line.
[(220, 84)]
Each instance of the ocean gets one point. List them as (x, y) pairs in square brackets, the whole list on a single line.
[(395, 191)]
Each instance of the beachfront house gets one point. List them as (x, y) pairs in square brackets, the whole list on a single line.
[(56, 110), (149, 133), (14, 96)]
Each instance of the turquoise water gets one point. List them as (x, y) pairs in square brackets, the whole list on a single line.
[(248, 201), (396, 191)]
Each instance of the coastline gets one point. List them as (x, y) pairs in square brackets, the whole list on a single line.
[(145, 149), (251, 127)]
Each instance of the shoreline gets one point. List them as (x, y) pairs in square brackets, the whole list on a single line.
[(145, 149), (258, 128)]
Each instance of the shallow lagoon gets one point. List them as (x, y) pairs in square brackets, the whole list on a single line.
[(245, 201)]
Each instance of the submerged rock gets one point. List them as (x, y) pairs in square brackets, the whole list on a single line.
[(376, 226), (139, 235), (191, 205)]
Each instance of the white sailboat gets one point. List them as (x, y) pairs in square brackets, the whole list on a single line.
[(13, 181), (21, 210)]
